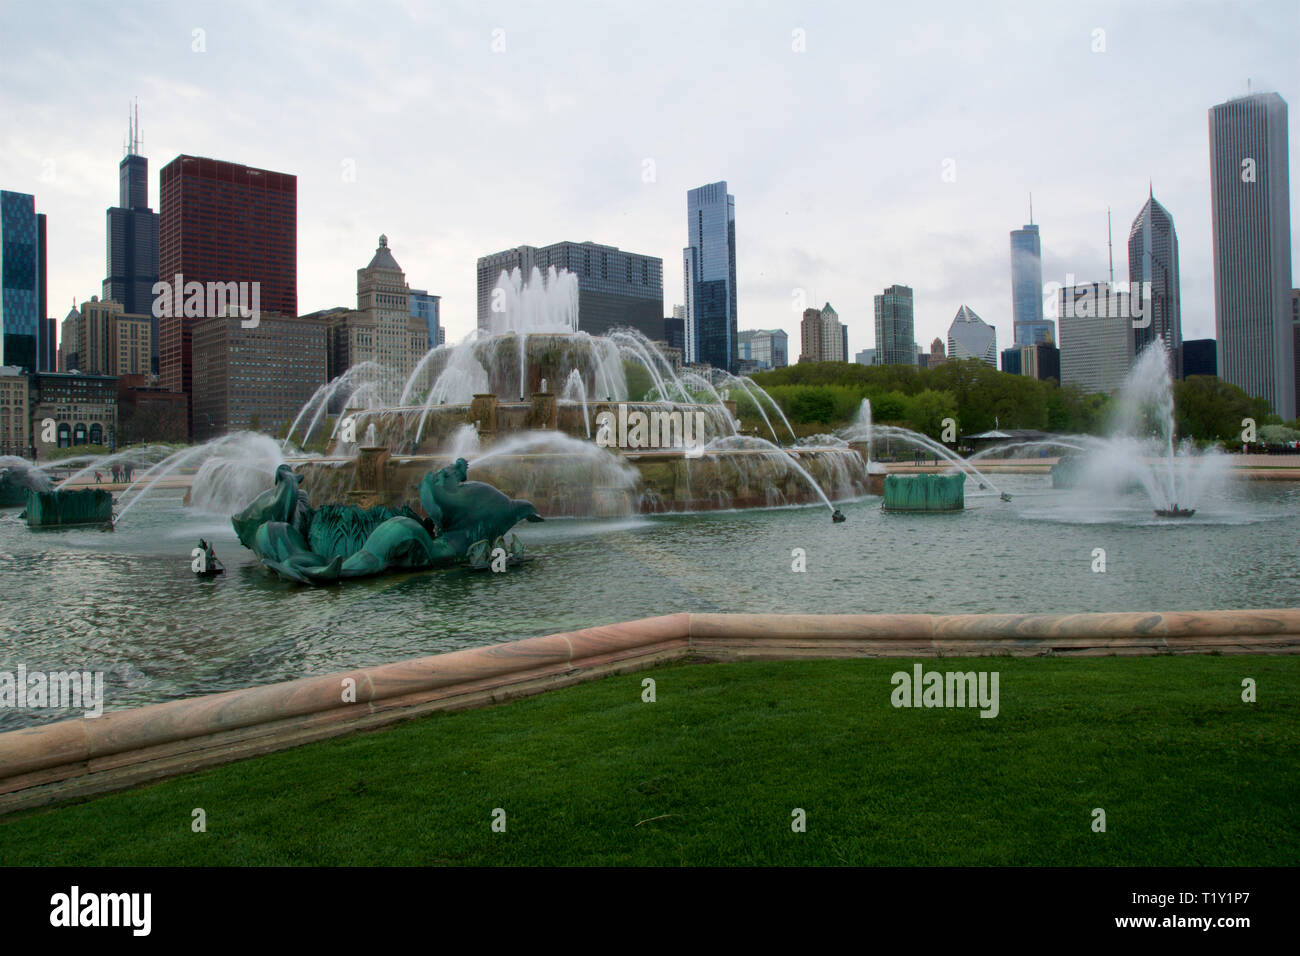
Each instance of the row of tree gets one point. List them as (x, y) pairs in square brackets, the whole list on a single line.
[(827, 395)]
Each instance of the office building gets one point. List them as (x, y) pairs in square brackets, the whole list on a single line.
[(865, 357), (616, 289), (426, 308), (147, 412), (70, 340), (83, 407), (111, 342), (1096, 347), (1041, 361), (1251, 219), (1027, 287), (15, 418), (969, 337), (220, 223), (132, 249), (22, 282), (254, 379), (1153, 265), (765, 348), (675, 331), (1200, 357), (709, 276), (895, 339)]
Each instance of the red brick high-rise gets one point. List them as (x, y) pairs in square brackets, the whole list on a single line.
[(222, 222)]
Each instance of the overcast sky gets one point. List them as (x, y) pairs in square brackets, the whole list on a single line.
[(836, 155)]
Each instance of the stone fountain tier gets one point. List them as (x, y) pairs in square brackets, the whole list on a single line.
[(560, 486), (416, 430), (547, 356)]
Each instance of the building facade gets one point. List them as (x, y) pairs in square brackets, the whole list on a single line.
[(1041, 361), (709, 276), (22, 282), (15, 415), (969, 337), (254, 379), (132, 248), (895, 336), (865, 357), (1200, 357), (83, 408), (1096, 337), (427, 308), (616, 289), (766, 348), (111, 342), (70, 340), (1251, 218), (1027, 288), (1153, 264), (222, 222)]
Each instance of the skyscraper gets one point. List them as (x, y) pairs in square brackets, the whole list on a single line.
[(1096, 336), (895, 339), (22, 281), (810, 336), (969, 336), (1027, 287), (1153, 258), (1251, 215), (709, 276), (222, 222), (615, 288), (426, 308), (133, 238)]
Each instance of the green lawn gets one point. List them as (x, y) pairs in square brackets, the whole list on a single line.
[(1186, 772)]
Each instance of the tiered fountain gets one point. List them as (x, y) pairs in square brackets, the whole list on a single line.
[(523, 402)]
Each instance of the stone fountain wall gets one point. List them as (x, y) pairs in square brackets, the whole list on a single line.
[(560, 486)]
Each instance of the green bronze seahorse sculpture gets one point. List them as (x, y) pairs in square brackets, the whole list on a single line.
[(279, 525)]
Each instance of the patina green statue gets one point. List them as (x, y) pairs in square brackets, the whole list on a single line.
[(465, 521)]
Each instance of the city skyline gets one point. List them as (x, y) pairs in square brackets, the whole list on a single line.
[(467, 187)]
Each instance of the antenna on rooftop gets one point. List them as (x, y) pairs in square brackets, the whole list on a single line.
[(1110, 248)]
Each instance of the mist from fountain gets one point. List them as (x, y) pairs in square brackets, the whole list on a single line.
[(575, 391), (231, 470), (19, 473), (1142, 451), (368, 382)]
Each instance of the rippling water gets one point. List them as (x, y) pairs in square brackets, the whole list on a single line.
[(125, 602)]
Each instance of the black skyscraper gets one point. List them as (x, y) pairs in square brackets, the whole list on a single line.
[(133, 240)]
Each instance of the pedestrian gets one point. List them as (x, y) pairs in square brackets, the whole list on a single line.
[(98, 478)]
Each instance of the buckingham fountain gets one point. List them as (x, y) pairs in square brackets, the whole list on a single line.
[(579, 425)]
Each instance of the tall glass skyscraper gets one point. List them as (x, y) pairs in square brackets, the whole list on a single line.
[(133, 239), (895, 337), (1250, 209), (22, 281), (1153, 258), (426, 307), (709, 276), (1027, 288)]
